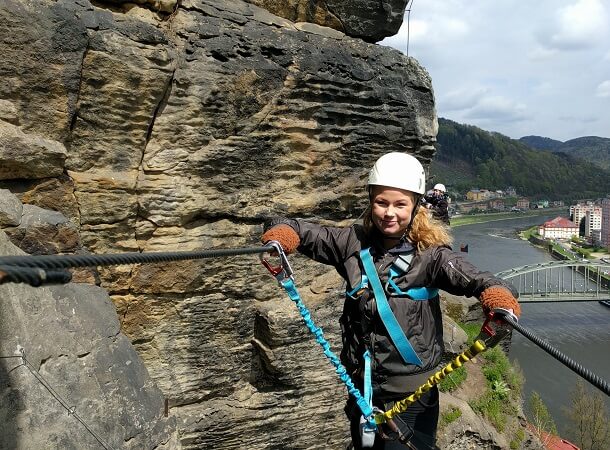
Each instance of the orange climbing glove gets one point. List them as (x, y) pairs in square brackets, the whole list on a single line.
[(285, 235), (499, 297)]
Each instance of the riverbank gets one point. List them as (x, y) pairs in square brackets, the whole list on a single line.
[(492, 217)]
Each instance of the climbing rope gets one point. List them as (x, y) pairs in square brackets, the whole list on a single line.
[(283, 275), (401, 406), (33, 276)]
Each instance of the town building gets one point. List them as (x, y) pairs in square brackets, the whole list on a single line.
[(476, 195), (605, 226), (593, 221), (579, 211), (523, 203), (558, 228), (497, 204), (511, 192)]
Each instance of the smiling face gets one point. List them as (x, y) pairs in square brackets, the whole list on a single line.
[(391, 210)]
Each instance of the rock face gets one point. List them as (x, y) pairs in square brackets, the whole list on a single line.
[(371, 21), (69, 378), (183, 131)]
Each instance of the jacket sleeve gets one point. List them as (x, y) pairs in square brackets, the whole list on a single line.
[(327, 245), (451, 272)]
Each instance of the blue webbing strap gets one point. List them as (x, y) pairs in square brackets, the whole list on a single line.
[(422, 293), (368, 386), (367, 425), (387, 316), (365, 407)]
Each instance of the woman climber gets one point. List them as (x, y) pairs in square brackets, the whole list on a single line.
[(393, 264)]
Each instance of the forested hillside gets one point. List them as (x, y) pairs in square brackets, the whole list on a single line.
[(470, 157), (590, 148)]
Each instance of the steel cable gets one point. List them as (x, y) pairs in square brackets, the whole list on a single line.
[(33, 276), (68, 261), (595, 380)]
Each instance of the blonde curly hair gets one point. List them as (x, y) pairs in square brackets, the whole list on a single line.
[(425, 231)]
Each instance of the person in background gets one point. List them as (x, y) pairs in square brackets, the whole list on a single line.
[(396, 260), (437, 202)]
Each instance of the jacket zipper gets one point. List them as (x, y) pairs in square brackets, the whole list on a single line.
[(459, 272)]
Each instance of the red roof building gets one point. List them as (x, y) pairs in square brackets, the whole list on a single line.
[(552, 442), (558, 228)]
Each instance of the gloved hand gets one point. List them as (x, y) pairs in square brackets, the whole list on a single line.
[(285, 235), (499, 297)]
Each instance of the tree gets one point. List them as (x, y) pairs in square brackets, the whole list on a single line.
[(541, 419), (589, 425)]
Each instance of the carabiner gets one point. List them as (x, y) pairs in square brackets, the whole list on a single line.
[(494, 328), (283, 271)]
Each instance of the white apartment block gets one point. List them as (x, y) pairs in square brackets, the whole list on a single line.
[(593, 221), (579, 212), (605, 227)]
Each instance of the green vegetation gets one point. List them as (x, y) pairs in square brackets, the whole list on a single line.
[(493, 161), (589, 148), (540, 418), (501, 399), (451, 415), (518, 438), (490, 217), (526, 234), (589, 421), (453, 380)]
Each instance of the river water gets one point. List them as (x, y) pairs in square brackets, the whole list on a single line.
[(580, 330)]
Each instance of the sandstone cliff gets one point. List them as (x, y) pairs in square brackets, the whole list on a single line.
[(179, 125)]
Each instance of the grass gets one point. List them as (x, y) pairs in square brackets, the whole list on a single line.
[(501, 398), (490, 217), (451, 415), (502, 395), (453, 380)]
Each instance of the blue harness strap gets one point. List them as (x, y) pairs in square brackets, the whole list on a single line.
[(398, 337), (367, 426)]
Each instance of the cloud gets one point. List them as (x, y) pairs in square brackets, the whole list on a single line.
[(428, 34), (577, 26), (518, 68), (541, 53), (497, 108), (463, 98), (603, 89)]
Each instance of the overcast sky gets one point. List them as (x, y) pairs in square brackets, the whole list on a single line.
[(517, 67)]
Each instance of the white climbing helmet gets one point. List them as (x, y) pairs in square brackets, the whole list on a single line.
[(439, 187), (398, 170)]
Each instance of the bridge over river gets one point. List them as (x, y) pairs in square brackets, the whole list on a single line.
[(561, 281)]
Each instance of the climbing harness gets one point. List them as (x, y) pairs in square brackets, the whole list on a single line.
[(397, 335), (368, 421)]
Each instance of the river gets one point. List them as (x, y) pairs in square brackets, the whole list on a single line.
[(581, 330)]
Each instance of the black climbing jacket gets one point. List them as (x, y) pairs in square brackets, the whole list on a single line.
[(362, 329)]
